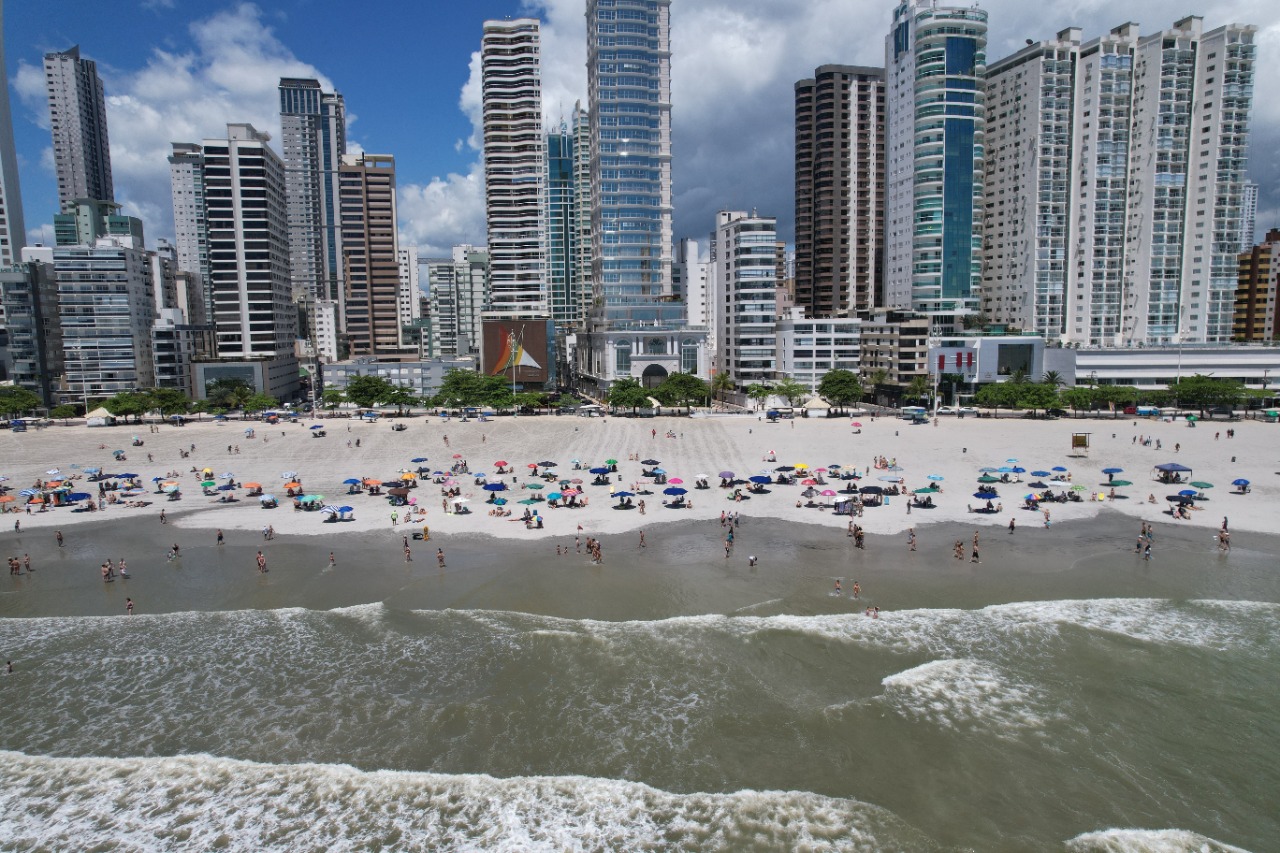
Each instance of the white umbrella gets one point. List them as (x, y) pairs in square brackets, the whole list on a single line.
[(288, 475)]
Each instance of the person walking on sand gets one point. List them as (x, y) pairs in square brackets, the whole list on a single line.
[(1013, 523), (162, 518), (642, 545), (440, 557), (395, 516)]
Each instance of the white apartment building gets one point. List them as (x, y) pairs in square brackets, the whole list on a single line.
[(459, 290), (1248, 215), (1026, 227), (514, 170), (1191, 98), (410, 301), (808, 349), (935, 58), (190, 229), (689, 283), (78, 120), (742, 278)]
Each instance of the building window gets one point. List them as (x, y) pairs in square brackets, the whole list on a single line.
[(622, 358), (689, 356)]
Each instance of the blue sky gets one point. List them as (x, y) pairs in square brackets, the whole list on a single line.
[(178, 71)]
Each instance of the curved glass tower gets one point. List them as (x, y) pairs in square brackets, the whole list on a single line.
[(936, 61)]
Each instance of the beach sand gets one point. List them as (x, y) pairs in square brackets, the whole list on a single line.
[(953, 450)]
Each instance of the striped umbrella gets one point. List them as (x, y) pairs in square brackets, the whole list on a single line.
[(331, 510)]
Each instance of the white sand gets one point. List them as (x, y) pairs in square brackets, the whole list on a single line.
[(954, 450)]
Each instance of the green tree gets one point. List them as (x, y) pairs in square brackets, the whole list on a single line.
[(840, 387), (627, 393), (759, 393), (368, 391), (918, 389), (722, 383), (1035, 396), (260, 402), (790, 390), (16, 401), (401, 397), (168, 401), (65, 412), (462, 388), (332, 398), (1054, 378), (128, 404), (682, 389), (228, 392), (1078, 398), (1204, 391), (568, 401), (997, 395), (531, 400)]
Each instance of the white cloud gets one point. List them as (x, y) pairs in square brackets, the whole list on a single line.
[(446, 212)]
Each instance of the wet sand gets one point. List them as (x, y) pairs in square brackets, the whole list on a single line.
[(681, 572)]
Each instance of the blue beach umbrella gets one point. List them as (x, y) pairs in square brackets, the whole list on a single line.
[(351, 481), (500, 501), (555, 496), (1039, 473), (79, 496), (1012, 461), (986, 496), (418, 459), (346, 509), (1018, 470), (1058, 468), (1188, 493), (987, 470), (28, 493), (675, 490), (1240, 482), (266, 498), (1108, 470), (600, 470), (226, 487), (620, 494), (936, 478), (495, 487), (1005, 469), (132, 477), (758, 479)]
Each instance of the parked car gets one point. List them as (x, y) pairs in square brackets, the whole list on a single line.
[(947, 410), (968, 410)]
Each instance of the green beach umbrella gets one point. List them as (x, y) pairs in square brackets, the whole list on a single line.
[(1079, 488), (1120, 483), (927, 490), (987, 478), (528, 501), (1193, 418), (208, 484), (1201, 484), (611, 461), (533, 485)]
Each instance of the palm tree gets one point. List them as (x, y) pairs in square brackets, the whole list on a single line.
[(789, 390), (759, 393), (1054, 379), (918, 389), (721, 383)]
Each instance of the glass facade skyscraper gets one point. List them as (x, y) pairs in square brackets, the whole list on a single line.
[(629, 85), (565, 285), (936, 61)]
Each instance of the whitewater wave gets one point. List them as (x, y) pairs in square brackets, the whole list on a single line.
[(1147, 841), (967, 695), (202, 802)]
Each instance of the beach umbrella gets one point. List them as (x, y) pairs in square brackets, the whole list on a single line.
[(890, 478), (554, 496), (553, 465), (226, 488), (659, 470), (1031, 497), (1240, 482), (533, 485), (675, 481), (1005, 469), (457, 456), (501, 463), (1040, 474), (266, 498), (1201, 484), (985, 495), (828, 493), (313, 498), (1124, 483), (1113, 470), (1180, 499), (170, 489), (79, 496), (871, 490), (623, 494), (36, 500), (1018, 470), (1187, 492), (208, 484), (987, 470), (785, 468), (157, 479), (856, 424), (570, 492), (408, 475), (418, 459), (927, 490), (813, 482), (650, 462), (528, 502), (935, 478), (295, 484), (759, 479), (675, 490), (801, 465), (1193, 418), (4, 499), (330, 510), (1077, 488), (607, 462), (500, 501), (1058, 468), (370, 481), (252, 485), (128, 476), (1012, 461), (317, 426), (576, 481), (1037, 485), (600, 470), (495, 487), (728, 475), (345, 509), (350, 481), (288, 475), (987, 478), (532, 465)]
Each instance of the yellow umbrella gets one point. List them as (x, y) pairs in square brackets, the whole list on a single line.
[(408, 475), (801, 465)]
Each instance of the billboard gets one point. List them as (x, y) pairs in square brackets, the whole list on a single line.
[(517, 349)]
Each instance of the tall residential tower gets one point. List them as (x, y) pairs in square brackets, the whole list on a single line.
[(13, 232), (78, 121)]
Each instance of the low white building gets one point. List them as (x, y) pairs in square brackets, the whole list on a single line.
[(423, 378), (1256, 366), (982, 359), (808, 349)]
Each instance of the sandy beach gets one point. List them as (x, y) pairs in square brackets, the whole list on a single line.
[(954, 450)]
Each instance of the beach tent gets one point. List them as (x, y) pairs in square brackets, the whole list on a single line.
[(817, 404), (1171, 472), (100, 417)]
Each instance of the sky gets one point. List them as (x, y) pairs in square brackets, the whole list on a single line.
[(179, 71)]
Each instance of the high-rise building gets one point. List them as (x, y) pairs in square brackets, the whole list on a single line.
[(582, 200), (248, 239), (1191, 98), (31, 354), (458, 288), (1026, 223), (313, 131), (191, 232), (935, 57), (13, 232), (840, 126), (367, 211), (514, 168), (78, 121), (1258, 291), (1248, 215), (629, 85), (86, 219), (411, 299), (742, 278), (569, 299)]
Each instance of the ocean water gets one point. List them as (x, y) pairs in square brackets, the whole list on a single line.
[(1126, 724)]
